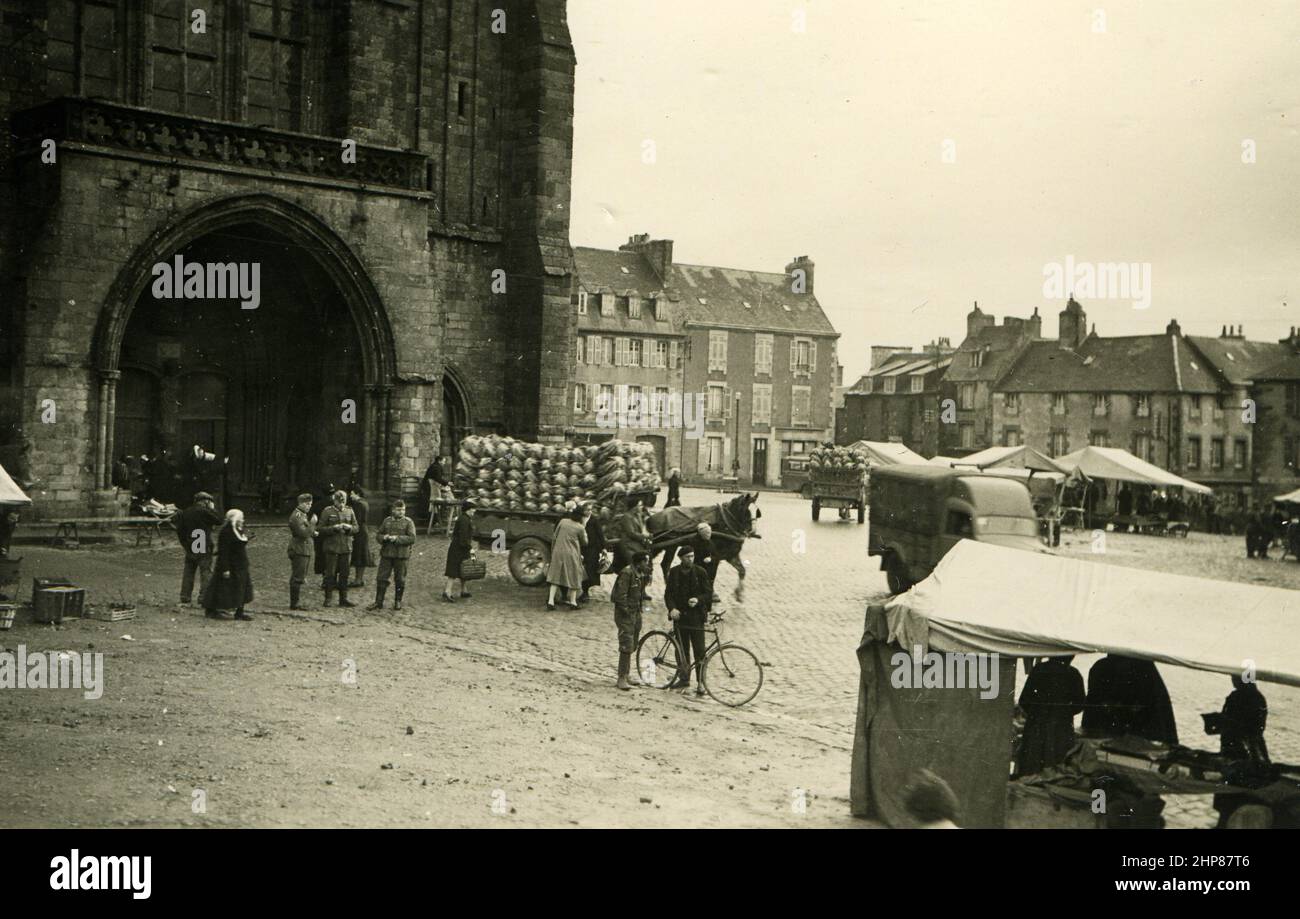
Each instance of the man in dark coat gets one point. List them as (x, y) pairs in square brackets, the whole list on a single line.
[(194, 530), (1127, 696), (674, 488), (706, 554), (336, 525), (591, 552), (688, 596), (1052, 696)]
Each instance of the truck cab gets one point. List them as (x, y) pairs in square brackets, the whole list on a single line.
[(918, 513)]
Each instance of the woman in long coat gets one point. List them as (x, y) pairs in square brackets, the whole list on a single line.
[(231, 584), (566, 569), (363, 551), (461, 548), (591, 552)]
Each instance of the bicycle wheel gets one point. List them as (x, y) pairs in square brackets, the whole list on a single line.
[(732, 674), (656, 659)]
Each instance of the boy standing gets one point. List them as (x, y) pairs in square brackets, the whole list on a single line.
[(396, 536)]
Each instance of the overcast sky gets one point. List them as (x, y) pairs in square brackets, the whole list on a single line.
[(1124, 145)]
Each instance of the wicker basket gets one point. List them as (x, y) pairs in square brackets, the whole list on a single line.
[(471, 569)]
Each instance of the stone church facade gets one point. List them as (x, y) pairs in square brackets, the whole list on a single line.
[(398, 170)]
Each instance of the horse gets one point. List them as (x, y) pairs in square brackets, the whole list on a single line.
[(732, 523)]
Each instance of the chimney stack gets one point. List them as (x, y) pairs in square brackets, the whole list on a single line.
[(976, 321), (1072, 326), (1173, 328), (805, 264), (658, 252)]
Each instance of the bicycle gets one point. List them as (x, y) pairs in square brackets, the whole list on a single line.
[(730, 673)]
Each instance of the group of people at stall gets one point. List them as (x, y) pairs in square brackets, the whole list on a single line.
[(1126, 697)]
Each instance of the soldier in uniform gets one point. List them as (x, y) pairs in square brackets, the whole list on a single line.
[(396, 535), (336, 525), (629, 600), (302, 527)]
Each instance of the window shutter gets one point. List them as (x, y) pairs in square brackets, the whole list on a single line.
[(672, 355), (702, 458), (726, 456), (812, 356), (794, 355), (726, 402)]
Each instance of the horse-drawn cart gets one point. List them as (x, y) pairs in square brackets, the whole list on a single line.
[(528, 534), (844, 489)]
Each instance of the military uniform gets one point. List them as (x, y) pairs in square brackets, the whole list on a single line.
[(394, 555), (336, 545), (301, 532)]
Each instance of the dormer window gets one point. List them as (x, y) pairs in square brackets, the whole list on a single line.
[(606, 304), (660, 309), (582, 303), (977, 358), (634, 307)]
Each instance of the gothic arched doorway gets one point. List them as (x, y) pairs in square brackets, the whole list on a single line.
[(455, 415), (292, 391)]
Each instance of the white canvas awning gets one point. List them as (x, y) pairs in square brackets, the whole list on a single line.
[(1021, 457), (1122, 466), (881, 453), (984, 597), (1291, 497), (10, 494)]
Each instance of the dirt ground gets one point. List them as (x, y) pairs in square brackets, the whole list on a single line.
[(254, 724)]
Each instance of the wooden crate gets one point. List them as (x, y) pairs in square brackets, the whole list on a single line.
[(110, 613), (54, 604)]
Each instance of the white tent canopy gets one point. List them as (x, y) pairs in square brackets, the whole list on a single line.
[(1291, 497), (10, 494), (1021, 457), (984, 597), (945, 461), (880, 453), (1122, 466)]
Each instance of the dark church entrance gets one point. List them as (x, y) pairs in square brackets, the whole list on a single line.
[(278, 390)]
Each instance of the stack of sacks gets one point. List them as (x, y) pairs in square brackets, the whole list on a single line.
[(831, 457), (507, 474)]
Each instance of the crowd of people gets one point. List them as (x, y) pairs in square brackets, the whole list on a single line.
[(328, 531)]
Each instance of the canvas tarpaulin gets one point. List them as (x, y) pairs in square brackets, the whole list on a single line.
[(1122, 466), (884, 453), (10, 494), (961, 737), (983, 597), (1021, 457)]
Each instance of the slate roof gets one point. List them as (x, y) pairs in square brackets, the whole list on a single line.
[(602, 271), (746, 299), (1136, 363), (1003, 343), (1241, 361), (731, 297), (1288, 368)]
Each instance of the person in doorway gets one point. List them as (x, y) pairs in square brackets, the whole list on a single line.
[(194, 527), (336, 525), (629, 601), (565, 571), (462, 547), (231, 586), (395, 535), (302, 530), (688, 596), (363, 553), (1052, 696), (674, 488)]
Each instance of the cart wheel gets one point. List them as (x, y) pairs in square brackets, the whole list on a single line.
[(529, 559), (817, 509)]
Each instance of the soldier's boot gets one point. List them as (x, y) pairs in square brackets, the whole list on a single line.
[(295, 591), (380, 590), (329, 597), (397, 595), (624, 666), (343, 597)]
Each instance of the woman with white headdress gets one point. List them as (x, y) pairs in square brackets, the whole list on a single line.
[(231, 585)]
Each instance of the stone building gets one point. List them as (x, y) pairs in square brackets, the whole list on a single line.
[(982, 357), (899, 399), (1156, 396), (754, 351), (629, 352), (398, 172)]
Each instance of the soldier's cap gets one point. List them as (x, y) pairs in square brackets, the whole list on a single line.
[(686, 551), (306, 496), (204, 496)]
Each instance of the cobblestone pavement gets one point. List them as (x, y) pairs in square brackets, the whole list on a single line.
[(806, 591)]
